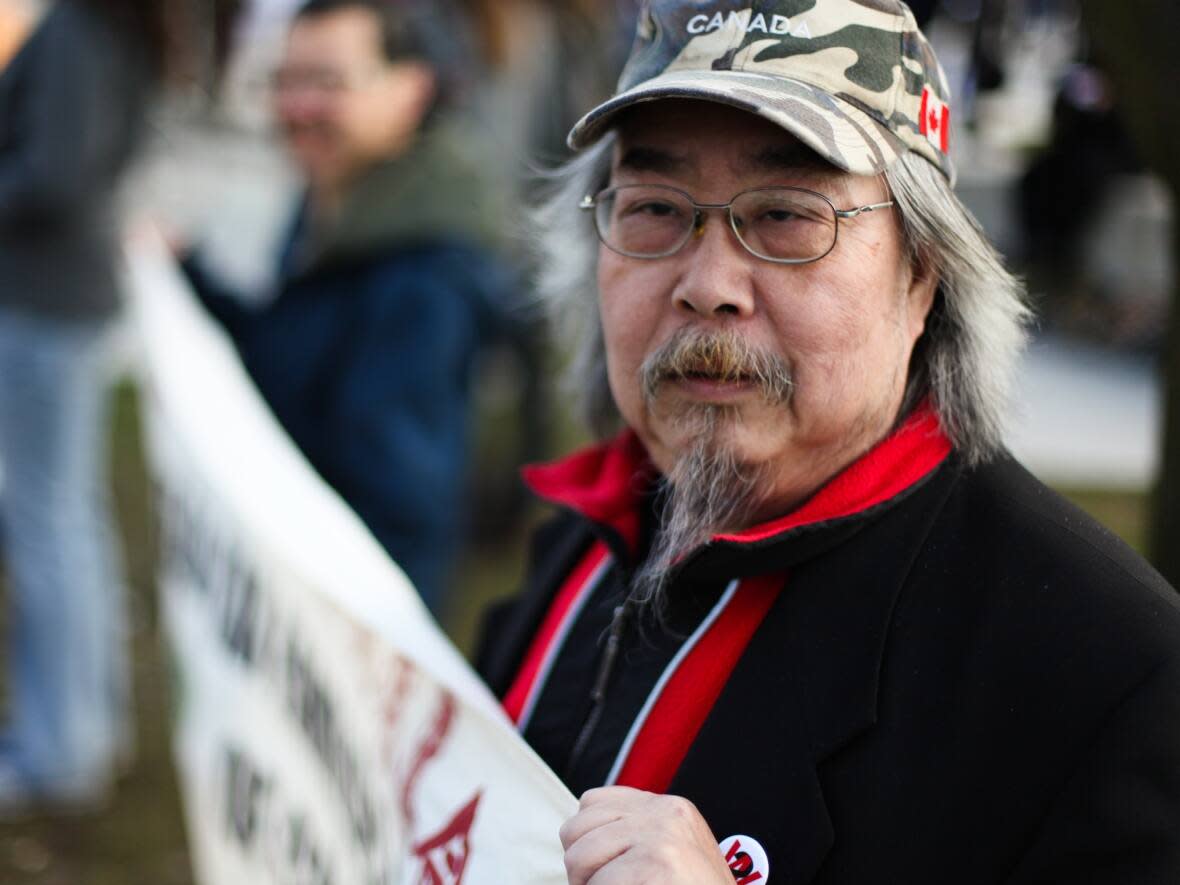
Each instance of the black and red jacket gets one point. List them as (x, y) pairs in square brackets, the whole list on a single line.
[(924, 674)]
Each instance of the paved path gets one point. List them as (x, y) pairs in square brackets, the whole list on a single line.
[(1086, 415)]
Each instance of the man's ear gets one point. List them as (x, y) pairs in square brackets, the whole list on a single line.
[(412, 87), (923, 286)]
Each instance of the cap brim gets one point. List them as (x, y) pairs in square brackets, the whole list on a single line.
[(837, 130)]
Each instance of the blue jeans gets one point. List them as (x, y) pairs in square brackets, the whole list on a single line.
[(68, 675)]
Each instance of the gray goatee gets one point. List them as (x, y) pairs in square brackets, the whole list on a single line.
[(707, 490)]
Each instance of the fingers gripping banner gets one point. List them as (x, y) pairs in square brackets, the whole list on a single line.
[(326, 731)]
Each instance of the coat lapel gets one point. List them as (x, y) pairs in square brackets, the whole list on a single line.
[(806, 687), (751, 771), (509, 627)]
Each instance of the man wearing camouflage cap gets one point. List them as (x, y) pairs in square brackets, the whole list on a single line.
[(802, 618)]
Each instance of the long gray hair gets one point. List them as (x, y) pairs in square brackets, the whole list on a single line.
[(964, 361)]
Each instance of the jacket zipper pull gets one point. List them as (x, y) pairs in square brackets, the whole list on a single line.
[(614, 640), (607, 666)]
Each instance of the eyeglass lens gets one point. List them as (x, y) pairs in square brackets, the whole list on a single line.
[(319, 80), (783, 224)]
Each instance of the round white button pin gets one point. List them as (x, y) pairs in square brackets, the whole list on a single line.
[(747, 860)]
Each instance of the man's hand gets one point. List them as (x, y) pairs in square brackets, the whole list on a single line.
[(621, 835)]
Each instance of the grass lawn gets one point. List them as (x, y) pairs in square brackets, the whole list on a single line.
[(140, 837)]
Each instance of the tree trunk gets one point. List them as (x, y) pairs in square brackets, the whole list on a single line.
[(1165, 516), (1134, 41)]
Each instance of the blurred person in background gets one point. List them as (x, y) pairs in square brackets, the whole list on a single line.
[(387, 281), (1063, 190), (72, 102)]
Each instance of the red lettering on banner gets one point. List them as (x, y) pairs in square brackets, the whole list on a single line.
[(395, 703), (444, 855), (395, 699), (427, 751)]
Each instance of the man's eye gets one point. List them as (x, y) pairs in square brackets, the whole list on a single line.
[(781, 214), (793, 215), (655, 208)]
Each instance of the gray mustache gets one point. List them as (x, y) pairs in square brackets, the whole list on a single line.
[(718, 355)]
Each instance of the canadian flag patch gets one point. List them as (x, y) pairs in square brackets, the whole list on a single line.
[(935, 120)]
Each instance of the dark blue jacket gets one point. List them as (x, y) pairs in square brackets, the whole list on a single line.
[(366, 358)]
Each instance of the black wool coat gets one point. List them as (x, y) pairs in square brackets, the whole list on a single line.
[(971, 682)]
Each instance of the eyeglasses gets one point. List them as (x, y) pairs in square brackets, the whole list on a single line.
[(786, 225), (319, 81)]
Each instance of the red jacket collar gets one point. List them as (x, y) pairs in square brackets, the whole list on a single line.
[(606, 482)]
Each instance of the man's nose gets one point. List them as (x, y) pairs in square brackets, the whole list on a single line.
[(717, 276), (299, 105)]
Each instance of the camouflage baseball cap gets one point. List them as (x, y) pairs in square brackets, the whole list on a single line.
[(855, 80)]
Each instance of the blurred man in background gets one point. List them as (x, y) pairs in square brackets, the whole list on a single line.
[(71, 109), (387, 281)]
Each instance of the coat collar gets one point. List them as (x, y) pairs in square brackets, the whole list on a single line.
[(606, 484), (603, 483)]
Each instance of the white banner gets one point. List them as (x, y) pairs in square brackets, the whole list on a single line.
[(326, 731)]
